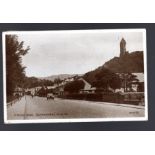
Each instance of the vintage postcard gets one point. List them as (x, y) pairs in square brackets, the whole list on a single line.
[(75, 76)]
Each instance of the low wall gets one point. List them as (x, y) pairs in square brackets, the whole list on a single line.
[(135, 99), (96, 97)]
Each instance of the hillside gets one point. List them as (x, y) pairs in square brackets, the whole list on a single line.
[(129, 63), (60, 76)]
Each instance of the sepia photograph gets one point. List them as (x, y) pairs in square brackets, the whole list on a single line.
[(75, 76)]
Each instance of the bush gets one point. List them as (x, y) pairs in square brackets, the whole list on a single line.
[(112, 97), (104, 97), (74, 86)]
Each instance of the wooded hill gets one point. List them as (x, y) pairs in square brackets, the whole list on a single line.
[(128, 63)]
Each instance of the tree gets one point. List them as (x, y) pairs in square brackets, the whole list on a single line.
[(74, 86), (15, 71), (47, 82), (57, 81), (105, 79), (42, 92), (115, 81), (31, 82), (127, 79)]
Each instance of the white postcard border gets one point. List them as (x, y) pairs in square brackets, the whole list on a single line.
[(145, 118)]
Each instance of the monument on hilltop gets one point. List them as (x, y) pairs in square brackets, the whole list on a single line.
[(123, 47)]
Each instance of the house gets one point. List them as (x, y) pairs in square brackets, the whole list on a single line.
[(138, 86), (87, 87), (59, 88)]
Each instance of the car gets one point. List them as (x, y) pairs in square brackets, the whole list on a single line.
[(50, 96)]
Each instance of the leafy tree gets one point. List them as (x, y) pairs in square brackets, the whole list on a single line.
[(57, 81), (115, 81), (31, 82), (47, 83), (74, 86), (105, 79), (127, 79), (15, 71), (42, 92)]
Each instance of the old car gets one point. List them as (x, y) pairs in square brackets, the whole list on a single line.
[(50, 96)]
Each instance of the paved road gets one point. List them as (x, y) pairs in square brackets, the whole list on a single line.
[(41, 108)]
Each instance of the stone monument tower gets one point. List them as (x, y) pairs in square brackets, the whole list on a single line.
[(122, 47)]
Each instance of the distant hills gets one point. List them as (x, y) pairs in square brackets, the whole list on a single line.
[(128, 63), (60, 76)]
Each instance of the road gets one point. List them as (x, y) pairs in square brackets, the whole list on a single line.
[(41, 108)]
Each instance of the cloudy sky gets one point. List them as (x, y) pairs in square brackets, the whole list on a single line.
[(73, 52)]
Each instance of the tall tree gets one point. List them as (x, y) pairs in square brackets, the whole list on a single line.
[(57, 81), (74, 86), (105, 79), (15, 71), (127, 79)]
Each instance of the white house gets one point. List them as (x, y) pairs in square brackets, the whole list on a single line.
[(87, 87), (135, 84)]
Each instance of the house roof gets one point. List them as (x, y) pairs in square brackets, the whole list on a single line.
[(50, 87), (140, 76)]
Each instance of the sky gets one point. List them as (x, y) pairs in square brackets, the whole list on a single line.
[(74, 52)]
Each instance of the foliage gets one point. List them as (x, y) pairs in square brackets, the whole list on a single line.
[(104, 97), (128, 63), (42, 92), (107, 75), (15, 71), (74, 86), (31, 82), (127, 79), (105, 79), (57, 81)]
